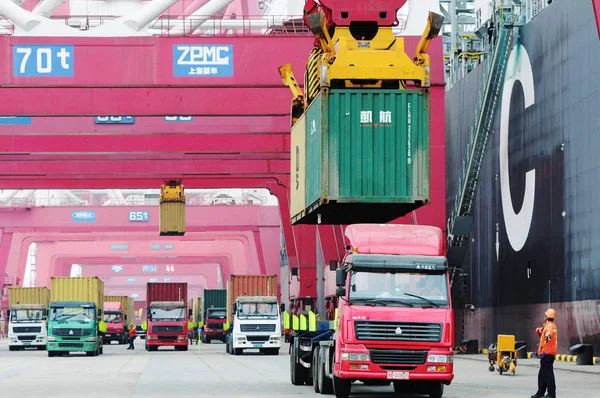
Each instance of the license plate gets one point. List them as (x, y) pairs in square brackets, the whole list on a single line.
[(397, 375), (257, 345), (26, 343)]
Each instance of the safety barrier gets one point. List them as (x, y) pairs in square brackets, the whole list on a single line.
[(310, 323)]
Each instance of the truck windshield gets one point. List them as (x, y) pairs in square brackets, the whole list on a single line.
[(71, 314), (113, 318), (168, 314), (221, 314), (257, 310), (26, 316), (408, 289)]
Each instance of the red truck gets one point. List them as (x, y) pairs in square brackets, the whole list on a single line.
[(166, 323), (394, 321)]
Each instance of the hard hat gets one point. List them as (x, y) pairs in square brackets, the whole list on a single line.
[(550, 313)]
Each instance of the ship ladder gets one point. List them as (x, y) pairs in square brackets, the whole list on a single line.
[(461, 218)]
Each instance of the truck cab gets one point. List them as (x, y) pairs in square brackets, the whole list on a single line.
[(115, 324), (166, 325), (256, 325), (27, 326), (214, 322), (74, 326), (394, 325)]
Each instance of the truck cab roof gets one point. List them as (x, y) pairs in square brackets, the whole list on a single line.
[(27, 307), (167, 304), (72, 304), (257, 299), (396, 263)]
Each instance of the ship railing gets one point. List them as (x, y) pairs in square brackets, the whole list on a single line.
[(485, 111)]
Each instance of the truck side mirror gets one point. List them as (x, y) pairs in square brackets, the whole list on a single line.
[(44, 312), (234, 307), (282, 307), (340, 291), (99, 312), (340, 277), (190, 312)]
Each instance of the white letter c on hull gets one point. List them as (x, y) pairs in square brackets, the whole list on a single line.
[(517, 225)]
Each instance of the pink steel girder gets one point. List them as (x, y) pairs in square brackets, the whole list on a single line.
[(263, 222), (258, 126), (108, 80), (47, 254), (596, 5), (256, 144), (250, 251)]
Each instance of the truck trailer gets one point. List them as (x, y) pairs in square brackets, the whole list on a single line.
[(118, 314), (166, 324), (394, 321), (27, 317), (253, 315), (75, 322)]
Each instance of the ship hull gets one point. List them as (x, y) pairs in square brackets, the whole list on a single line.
[(536, 234)]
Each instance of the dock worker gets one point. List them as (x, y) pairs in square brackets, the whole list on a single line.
[(132, 332), (547, 352)]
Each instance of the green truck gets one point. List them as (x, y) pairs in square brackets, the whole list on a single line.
[(75, 316)]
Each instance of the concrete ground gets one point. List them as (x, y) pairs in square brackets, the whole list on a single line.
[(212, 372)]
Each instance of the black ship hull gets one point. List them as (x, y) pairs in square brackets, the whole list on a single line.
[(536, 234)]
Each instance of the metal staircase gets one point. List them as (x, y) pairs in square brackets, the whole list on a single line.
[(461, 219)]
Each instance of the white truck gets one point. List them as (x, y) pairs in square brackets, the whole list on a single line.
[(27, 314), (256, 325)]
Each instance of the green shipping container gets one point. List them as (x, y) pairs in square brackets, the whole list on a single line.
[(213, 298), (367, 156)]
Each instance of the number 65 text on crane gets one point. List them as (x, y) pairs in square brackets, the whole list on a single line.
[(43, 60)]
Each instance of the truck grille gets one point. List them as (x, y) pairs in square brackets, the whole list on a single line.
[(167, 338), (413, 357), (258, 339), (257, 328), (217, 326), (26, 338), (70, 345), (167, 329), (27, 329), (67, 332), (399, 331)]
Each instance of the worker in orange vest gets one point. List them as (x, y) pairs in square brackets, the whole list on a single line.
[(547, 352)]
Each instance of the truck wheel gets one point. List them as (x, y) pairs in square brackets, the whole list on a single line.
[(11, 348), (314, 367), (184, 348), (227, 348), (50, 353), (325, 383), (41, 348), (238, 351), (342, 387), (436, 390), (297, 371)]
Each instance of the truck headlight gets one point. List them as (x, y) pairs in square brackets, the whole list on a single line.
[(240, 338), (181, 338), (51, 338), (440, 358), (356, 356), (91, 339)]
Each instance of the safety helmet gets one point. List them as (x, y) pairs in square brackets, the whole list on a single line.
[(550, 313)]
